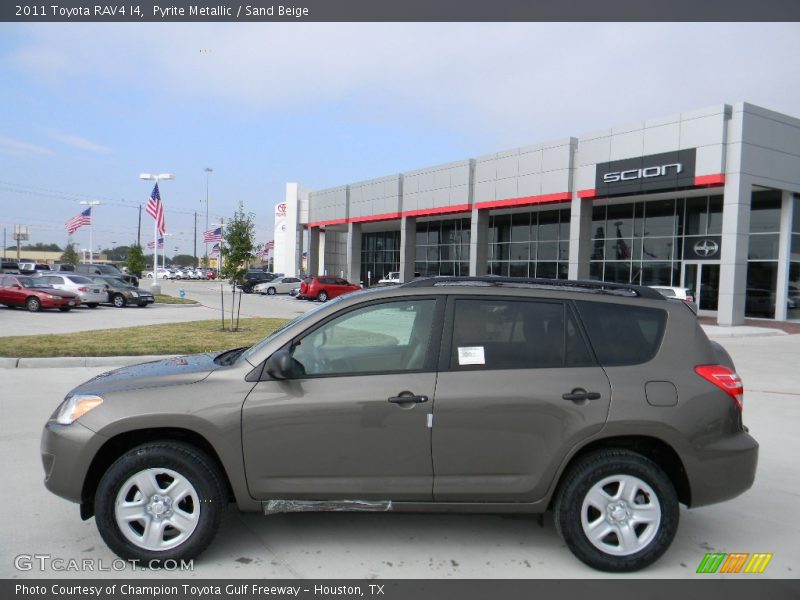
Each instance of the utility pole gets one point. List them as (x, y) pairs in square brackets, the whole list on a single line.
[(4, 242), (139, 230)]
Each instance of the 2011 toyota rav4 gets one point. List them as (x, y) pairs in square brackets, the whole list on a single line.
[(606, 403)]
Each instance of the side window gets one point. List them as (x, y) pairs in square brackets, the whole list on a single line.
[(380, 338), (623, 335), (508, 334)]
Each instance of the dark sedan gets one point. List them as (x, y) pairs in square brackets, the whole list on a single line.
[(33, 294), (121, 293)]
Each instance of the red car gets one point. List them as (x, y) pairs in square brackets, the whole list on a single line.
[(324, 287), (34, 295)]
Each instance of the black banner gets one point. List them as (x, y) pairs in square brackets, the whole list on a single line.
[(401, 10), (655, 172), (736, 588)]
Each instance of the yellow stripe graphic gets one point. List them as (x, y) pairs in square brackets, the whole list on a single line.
[(758, 563)]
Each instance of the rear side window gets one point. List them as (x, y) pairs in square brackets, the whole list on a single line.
[(623, 335), (501, 333)]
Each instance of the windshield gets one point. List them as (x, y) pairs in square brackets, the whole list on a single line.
[(34, 283), (255, 348)]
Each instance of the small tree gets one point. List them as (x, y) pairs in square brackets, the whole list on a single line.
[(70, 257), (135, 261), (236, 250)]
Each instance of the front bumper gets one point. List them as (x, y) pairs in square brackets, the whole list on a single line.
[(67, 452)]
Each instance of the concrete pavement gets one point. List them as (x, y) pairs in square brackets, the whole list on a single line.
[(347, 545)]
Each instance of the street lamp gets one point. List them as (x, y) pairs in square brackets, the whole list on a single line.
[(208, 171), (91, 203), (155, 287)]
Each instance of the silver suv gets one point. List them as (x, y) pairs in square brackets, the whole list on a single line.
[(605, 403)]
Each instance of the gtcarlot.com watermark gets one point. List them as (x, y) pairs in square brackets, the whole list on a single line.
[(48, 562)]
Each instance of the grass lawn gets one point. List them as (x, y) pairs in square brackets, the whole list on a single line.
[(170, 338)]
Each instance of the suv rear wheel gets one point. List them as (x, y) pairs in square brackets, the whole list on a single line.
[(160, 501), (617, 510)]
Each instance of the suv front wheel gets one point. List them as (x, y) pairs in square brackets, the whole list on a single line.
[(160, 501), (617, 510)]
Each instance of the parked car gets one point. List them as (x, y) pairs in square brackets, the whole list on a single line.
[(325, 287), (162, 274), (253, 277), (9, 267), (90, 293), (34, 294), (279, 285), (211, 273), (604, 402), (120, 293), (677, 293), (106, 269), (392, 277)]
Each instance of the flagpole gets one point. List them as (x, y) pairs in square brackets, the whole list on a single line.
[(90, 204)]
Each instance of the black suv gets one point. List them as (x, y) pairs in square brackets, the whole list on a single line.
[(253, 277)]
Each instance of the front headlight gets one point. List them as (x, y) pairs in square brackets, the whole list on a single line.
[(134, 295), (74, 407)]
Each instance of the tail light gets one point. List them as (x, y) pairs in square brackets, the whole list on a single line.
[(83, 289), (689, 298), (725, 379)]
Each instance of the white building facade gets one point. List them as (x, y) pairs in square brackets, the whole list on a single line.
[(706, 199)]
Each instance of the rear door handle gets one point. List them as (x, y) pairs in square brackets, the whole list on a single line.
[(578, 395), (407, 399)]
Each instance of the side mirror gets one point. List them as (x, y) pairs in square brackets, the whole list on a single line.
[(280, 365)]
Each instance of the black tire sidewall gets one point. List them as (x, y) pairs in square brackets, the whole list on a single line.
[(186, 460), (585, 474)]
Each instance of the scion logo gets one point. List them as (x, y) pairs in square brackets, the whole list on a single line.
[(706, 248), (735, 562), (633, 174)]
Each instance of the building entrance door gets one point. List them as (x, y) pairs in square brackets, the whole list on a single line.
[(702, 279)]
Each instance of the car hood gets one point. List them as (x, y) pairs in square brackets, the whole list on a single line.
[(180, 370)]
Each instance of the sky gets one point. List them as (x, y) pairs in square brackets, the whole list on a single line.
[(86, 107)]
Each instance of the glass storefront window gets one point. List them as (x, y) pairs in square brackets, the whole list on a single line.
[(762, 279), (793, 301), (521, 227), (715, 215), (765, 212), (534, 237), (763, 247), (548, 225), (660, 218), (620, 221)]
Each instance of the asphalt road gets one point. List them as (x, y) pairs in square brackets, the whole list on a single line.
[(348, 545)]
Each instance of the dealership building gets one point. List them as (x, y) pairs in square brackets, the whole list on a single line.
[(707, 199)]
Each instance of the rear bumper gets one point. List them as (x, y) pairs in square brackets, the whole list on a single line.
[(723, 470)]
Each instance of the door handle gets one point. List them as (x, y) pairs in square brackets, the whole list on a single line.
[(407, 399), (578, 395)]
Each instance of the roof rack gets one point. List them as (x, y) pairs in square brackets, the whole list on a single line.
[(577, 285)]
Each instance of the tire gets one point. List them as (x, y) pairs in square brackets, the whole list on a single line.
[(119, 301), (33, 304), (322, 296), (271, 291), (187, 530), (620, 484), (65, 308), (92, 304)]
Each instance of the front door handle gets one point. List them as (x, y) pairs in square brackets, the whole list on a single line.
[(579, 394), (408, 399)]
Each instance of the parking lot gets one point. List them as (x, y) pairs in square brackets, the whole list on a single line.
[(348, 545), (21, 322)]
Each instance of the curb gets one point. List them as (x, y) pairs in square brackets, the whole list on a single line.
[(78, 361)]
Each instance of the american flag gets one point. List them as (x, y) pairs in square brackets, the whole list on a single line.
[(156, 210), (75, 223), (214, 249), (264, 251), (151, 245), (212, 235)]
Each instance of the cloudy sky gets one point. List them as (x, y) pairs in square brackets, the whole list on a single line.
[(86, 107)]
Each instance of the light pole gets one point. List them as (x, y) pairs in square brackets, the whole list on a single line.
[(91, 203), (208, 171), (155, 287)]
